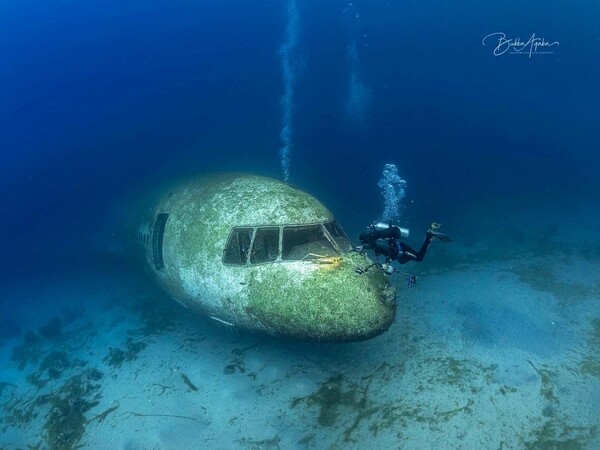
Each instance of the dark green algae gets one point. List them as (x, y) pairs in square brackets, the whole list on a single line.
[(334, 303)]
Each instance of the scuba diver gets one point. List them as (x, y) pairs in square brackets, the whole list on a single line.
[(384, 239)]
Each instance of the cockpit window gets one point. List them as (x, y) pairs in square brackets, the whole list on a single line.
[(338, 235), (238, 246), (305, 242), (266, 245)]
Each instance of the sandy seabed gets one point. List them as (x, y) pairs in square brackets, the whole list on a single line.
[(496, 347)]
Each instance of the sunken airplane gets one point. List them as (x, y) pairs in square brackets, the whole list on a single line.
[(258, 254)]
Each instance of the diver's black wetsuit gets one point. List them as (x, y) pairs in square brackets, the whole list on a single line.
[(384, 239), (407, 253)]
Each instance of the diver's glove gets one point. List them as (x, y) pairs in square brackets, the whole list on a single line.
[(388, 269), (360, 249)]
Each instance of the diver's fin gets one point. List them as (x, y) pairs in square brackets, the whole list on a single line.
[(442, 237), (433, 231)]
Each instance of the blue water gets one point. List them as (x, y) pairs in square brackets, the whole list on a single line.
[(100, 98), (96, 96)]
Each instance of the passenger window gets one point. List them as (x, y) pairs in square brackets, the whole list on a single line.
[(338, 235), (238, 246), (266, 245), (157, 240), (305, 242)]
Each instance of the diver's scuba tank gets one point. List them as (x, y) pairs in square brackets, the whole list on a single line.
[(380, 236), (386, 230), (382, 230)]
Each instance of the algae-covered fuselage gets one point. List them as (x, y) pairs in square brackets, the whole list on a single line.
[(259, 254)]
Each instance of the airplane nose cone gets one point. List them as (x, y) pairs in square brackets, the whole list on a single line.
[(332, 304)]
